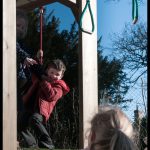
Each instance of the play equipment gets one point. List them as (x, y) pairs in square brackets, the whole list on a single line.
[(41, 35), (134, 11), (91, 15)]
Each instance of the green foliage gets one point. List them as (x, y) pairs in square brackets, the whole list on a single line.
[(140, 127), (64, 122), (112, 81), (55, 45), (143, 133)]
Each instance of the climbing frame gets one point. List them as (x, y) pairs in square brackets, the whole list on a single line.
[(87, 66)]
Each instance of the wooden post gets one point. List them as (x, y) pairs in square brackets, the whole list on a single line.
[(9, 75), (87, 73)]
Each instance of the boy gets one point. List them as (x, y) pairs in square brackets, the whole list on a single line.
[(49, 89)]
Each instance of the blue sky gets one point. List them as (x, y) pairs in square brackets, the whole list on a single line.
[(111, 17)]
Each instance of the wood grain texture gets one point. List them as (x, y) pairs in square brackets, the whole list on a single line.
[(88, 73), (9, 75)]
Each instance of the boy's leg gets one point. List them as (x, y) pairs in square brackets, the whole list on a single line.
[(25, 138), (36, 122), (22, 85)]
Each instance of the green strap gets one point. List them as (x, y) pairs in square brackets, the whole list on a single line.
[(134, 11), (81, 18)]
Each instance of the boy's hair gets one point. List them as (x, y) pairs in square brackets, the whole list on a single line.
[(56, 64), (113, 130)]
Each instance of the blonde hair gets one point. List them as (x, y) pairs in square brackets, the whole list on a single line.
[(113, 130)]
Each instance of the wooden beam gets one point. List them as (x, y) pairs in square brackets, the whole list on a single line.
[(9, 76), (29, 5), (87, 73)]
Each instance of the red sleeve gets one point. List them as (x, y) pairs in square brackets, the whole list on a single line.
[(51, 92)]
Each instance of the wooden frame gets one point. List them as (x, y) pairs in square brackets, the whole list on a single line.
[(87, 74), (9, 76), (87, 67)]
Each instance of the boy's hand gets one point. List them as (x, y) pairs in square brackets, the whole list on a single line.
[(29, 61), (39, 56), (46, 78)]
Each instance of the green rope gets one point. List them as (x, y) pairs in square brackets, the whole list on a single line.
[(134, 11), (81, 18)]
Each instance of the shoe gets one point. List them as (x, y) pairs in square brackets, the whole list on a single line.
[(34, 147), (24, 145), (51, 147), (45, 145)]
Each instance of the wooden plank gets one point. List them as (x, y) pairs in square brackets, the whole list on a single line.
[(87, 73), (9, 75)]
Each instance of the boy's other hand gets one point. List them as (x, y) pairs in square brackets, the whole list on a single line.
[(39, 56), (29, 61), (44, 77)]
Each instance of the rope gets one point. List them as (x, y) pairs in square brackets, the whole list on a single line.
[(81, 18), (134, 11), (41, 35)]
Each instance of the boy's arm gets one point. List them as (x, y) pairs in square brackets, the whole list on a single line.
[(51, 92), (24, 57), (21, 54), (37, 69)]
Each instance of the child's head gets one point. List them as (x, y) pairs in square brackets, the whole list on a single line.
[(55, 69), (21, 24), (110, 130)]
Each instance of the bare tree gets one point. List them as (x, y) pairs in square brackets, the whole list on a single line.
[(131, 47)]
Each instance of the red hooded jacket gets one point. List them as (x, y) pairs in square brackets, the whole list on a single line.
[(47, 95)]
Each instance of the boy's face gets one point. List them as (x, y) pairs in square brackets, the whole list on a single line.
[(54, 74), (21, 28)]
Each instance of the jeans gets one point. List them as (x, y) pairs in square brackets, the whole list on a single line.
[(35, 122)]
